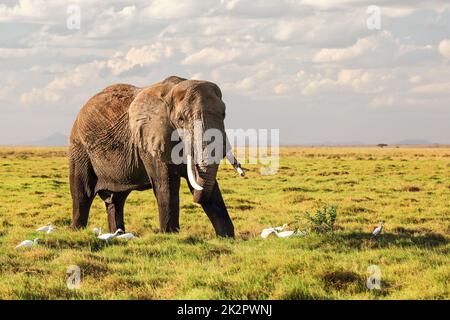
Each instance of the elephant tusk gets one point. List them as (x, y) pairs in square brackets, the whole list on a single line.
[(236, 165), (191, 176)]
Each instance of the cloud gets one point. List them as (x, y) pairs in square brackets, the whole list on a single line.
[(382, 102), (397, 12), (340, 54), (433, 89), (415, 79), (24, 9), (143, 56), (8, 53), (174, 9), (401, 101), (343, 80), (111, 20), (444, 48), (364, 81), (307, 53), (382, 3), (60, 88), (281, 88), (212, 56)]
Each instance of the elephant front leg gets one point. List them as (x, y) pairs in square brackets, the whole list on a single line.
[(166, 186), (217, 212)]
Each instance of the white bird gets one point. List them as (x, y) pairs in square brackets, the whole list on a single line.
[(281, 228), (378, 229), (109, 236), (97, 231), (48, 228), (285, 234), (266, 232), (28, 243), (126, 236)]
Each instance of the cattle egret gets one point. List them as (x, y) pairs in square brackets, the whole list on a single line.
[(282, 234), (285, 234), (281, 228), (48, 228), (28, 243), (266, 232), (97, 231), (109, 236), (378, 229), (126, 236)]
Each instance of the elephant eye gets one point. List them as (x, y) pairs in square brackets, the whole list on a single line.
[(180, 121)]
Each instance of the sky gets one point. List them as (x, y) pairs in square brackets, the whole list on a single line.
[(317, 70)]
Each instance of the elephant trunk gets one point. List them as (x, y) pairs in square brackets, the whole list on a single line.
[(206, 178), (201, 173)]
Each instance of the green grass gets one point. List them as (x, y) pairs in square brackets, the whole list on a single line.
[(408, 188)]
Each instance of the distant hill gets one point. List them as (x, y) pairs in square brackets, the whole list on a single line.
[(413, 142), (54, 140), (338, 143), (60, 140), (356, 143)]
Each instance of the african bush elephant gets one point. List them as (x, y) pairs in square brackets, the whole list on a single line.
[(121, 141)]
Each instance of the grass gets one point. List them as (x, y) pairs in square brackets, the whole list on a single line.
[(408, 188)]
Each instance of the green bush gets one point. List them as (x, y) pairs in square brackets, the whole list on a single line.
[(323, 220)]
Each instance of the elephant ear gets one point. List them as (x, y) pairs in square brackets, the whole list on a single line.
[(150, 126)]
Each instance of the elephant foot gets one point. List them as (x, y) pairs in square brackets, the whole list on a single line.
[(170, 230), (225, 232), (77, 226)]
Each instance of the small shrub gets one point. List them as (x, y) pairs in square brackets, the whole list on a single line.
[(323, 220)]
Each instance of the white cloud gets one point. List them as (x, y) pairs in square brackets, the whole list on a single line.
[(318, 84), (212, 56), (110, 20), (7, 53), (281, 88), (144, 56), (308, 52), (174, 9), (348, 80), (382, 102), (61, 87), (397, 12), (433, 89), (444, 48), (415, 79), (340, 54), (25, 9), (402, 101), (364, 81)]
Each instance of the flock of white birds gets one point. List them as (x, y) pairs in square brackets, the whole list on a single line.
[(49, 228), (280, 233), (119, 234)]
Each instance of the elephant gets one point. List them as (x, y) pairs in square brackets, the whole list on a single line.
[(121, 141)]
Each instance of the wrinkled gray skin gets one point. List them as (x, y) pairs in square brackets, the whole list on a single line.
[(121, 141)]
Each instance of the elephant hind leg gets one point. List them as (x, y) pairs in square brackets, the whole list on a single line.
[(115, 203), (82, 185)]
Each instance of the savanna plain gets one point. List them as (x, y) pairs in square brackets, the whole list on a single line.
[(408, 188)]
